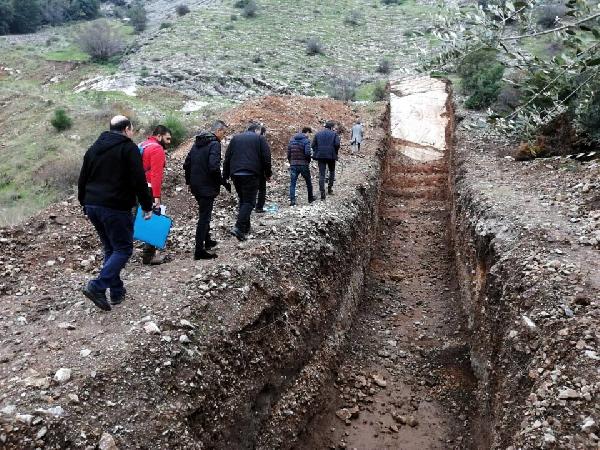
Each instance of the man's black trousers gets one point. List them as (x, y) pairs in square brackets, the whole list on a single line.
[(205, 208), (246, 187)]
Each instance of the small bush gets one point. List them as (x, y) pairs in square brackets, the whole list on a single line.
[(257, 59), (343, 88), (62, 173), (138, 17), (165, 25), (314, 47), (179, 132), (229, 27), (354, 19), (182, 10), (241, 4), (481, 76), (101, 41), (61, 120), (508, 99), (588, 116), (549, 13), (233, 17), (144, 72), (380, 91), (250, 10), (391, 2), (384, 66)]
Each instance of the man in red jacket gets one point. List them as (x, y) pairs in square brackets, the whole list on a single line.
[(154, 161)]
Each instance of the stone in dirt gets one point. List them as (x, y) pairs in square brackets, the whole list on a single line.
[(346, 414), (107, 442), (151, 328), (62, 375), (379, 381), (568, 394), (412, 421)]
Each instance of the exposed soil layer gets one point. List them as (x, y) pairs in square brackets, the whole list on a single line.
[(405, 379), (201, 353)]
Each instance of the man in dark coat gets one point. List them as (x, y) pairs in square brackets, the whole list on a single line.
[(203, 176), (248, 157), (262, 184), (111, 183), (299, 153), (326, 146)]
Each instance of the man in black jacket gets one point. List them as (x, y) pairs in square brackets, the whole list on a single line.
[(111, 183), (202, 168), (248, 157), (326, 146)]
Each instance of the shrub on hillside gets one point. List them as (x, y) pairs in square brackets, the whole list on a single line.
[(380, 91), (355, 18), (179, 131), (343, 88), (314, 47), (61, 120), (391, 2), (588, 116), (548, 15), (27, 17), (481, 76), (384, 66), (250, 10), (101, 41), (137, 16), (165, 25), (182, 10), (62, 173), (241, 4)]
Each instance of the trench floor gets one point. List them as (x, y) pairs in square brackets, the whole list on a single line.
[(404, 379)]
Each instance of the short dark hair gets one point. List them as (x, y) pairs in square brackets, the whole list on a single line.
[(306, 130), (218, 125), (263, 130), (254, 126), (161, 130), (121, 125), (330, 124)]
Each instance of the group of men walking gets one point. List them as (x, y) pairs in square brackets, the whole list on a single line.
[(117, 176)]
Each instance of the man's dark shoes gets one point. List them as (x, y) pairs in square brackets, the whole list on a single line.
[(322, 195), (98, 297), (330, 191), (203, 254), (210, 244), (292, 203), (117, 299), (312, 199), (259, 210), (238, 234)]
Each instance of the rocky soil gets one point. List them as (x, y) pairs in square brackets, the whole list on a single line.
[(200, 352), (527, 246)]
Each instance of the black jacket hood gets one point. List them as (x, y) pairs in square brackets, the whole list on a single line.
[(109, 139), (205, 138)]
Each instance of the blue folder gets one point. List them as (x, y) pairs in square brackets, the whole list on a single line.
[(153, 231)]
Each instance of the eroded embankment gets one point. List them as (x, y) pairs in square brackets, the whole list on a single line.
[(530, 286), (201, 355)]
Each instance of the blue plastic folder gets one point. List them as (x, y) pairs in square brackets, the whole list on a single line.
[(153, 231)]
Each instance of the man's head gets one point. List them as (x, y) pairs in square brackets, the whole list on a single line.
[(121, 124), (219, 129), (330, 124), (307, 130), (358, 122), (163, 135), (255, 127), (263, 131)]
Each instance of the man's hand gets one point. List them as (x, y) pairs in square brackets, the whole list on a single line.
[(156, 202), (147, 215)]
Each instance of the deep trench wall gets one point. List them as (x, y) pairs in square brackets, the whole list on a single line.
[(230, 395), (515, 360)]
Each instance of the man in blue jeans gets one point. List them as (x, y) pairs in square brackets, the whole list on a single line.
[(111, 183), (299, 153)]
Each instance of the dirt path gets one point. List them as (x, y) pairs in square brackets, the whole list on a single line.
[(405, 380)]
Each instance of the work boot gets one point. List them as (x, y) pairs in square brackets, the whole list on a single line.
[(312, 199), (203, 254), (148, 254), (292, 202), (259, 210), (117, 299), (210, 244), (322, 195), (96, 296), (238, 234), (330, 190)]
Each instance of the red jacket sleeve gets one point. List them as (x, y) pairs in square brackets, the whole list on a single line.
[(157, 169)]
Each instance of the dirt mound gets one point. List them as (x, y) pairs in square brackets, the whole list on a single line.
[(285, 115)]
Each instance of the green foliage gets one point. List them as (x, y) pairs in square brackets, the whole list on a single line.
[(588, 114), (7, 11), (481, 76), (27, 17), (314, 47), (250, 10), (343, 88), (179, 132), (61, 120), (241, 4), (384, 66), (355, 18), (137, 15), (182, 10), (392, 2), (380, 91), (165, 25), (101, 40)]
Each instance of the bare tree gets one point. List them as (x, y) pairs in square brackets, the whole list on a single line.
[(100, 40)]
